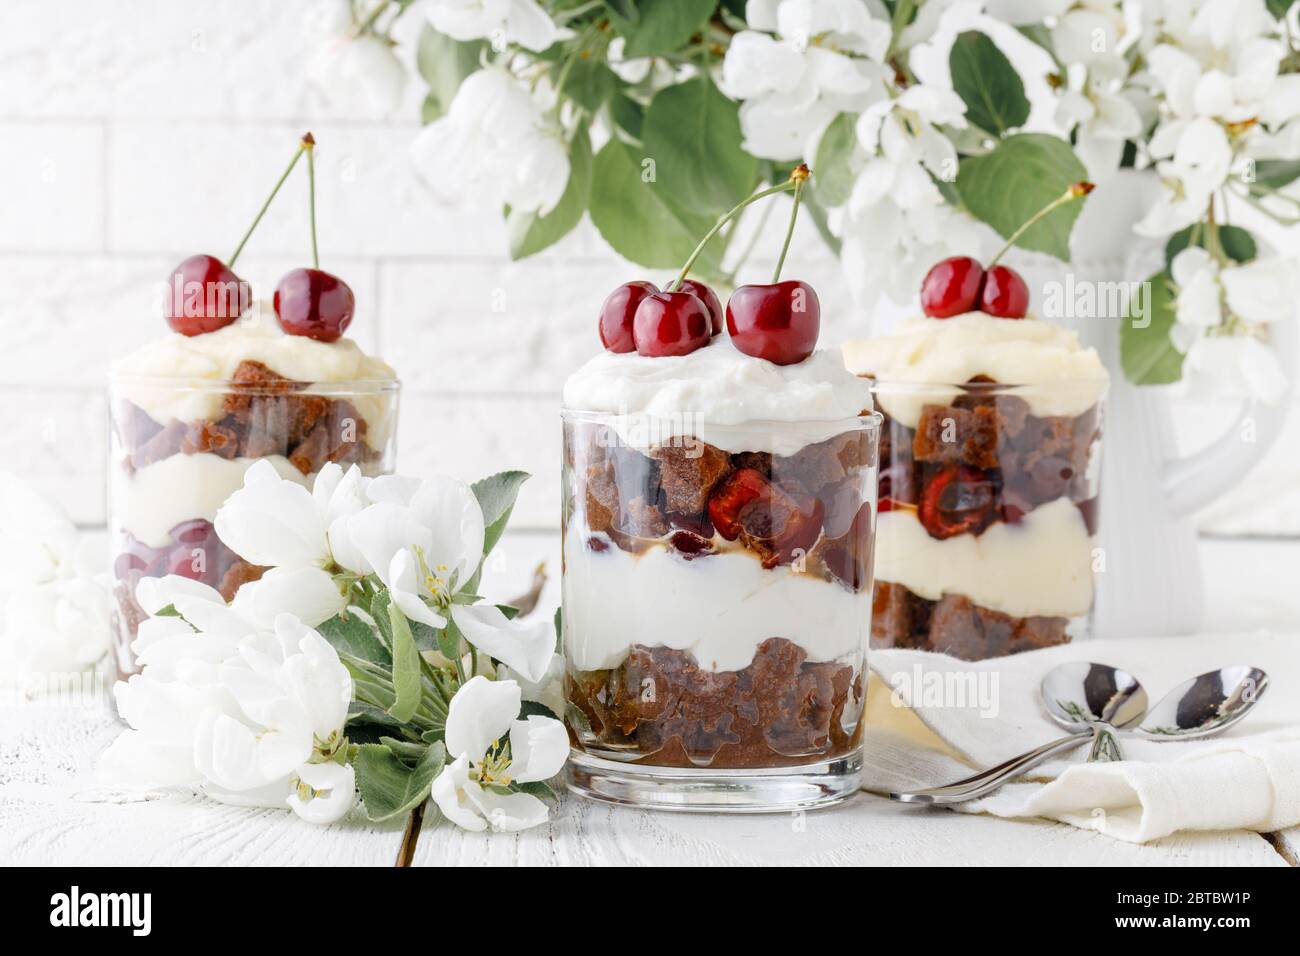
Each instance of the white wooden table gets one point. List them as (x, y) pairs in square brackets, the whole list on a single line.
[(51, 810)]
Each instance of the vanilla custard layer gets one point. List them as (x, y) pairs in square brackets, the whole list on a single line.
[(719, 607), (159, 496), (925, 361), (1041, 565), (182, 377)]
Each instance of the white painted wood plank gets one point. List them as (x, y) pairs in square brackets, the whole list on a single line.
[(866, 830)]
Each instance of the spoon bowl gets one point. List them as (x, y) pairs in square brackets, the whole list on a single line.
[(1205, 705)]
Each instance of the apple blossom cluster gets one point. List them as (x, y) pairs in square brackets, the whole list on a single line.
[(915, 118), (360, 660), (54, 612)]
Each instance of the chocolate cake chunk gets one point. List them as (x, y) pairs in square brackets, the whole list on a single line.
[(777, 711), (827, 462), (688, 474), (210, 438), (237, 575), (946, 434), (955, 625)]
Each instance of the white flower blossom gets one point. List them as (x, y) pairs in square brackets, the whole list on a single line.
[(824, 60), (490, 750), (521, 22), (1222, 313), (245, 719), (495, 137)]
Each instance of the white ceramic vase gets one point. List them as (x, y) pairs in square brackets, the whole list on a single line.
[(1149, 582)]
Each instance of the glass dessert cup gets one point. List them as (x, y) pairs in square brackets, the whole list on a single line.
[(173, 465), (987, 515), (716, 610)]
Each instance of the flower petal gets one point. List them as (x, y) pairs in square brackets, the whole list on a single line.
[(308, 593), (539, 746), (524, 645), (272, 521), (448, 793), (508, 812), (335, 786), (481, 712)]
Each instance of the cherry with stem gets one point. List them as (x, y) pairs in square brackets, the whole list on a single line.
[(311, 302), (778, 322)]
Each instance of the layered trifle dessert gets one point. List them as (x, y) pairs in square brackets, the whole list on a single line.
[(717, 541), (990, 458), (194, 410)]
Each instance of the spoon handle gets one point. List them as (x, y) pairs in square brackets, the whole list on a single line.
[(1105, 745), (986, 781)]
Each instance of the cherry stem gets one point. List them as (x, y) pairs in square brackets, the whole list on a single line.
[(789, 231), (792, 183), (308, 144), (1076, 191), (267, 205)]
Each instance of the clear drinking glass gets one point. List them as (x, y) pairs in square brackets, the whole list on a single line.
[(179, 448), (987, 515), (717, 611)]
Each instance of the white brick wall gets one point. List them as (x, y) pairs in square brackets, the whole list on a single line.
[(128, 141), (132, 135)]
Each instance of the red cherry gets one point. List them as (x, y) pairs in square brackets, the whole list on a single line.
[(741, 487), (777, 322), (205, 295), (958, 500), (710, 300), (315, 304), (670, 323), (951, 287), (1004, 293), (617, 313)]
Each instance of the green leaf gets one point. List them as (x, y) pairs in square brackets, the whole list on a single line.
[(538, 788), (450, 641), (559, 629), (496, 495), (1040, 35), (626, 9), (389, 787), (627, 114), (531, 233), (1272, 174), (1146, 350), (1238, 244), (692, 132), (444, 63), (589, 83), (1279, 8), (407, 678), (660, 26), (535, 708), (833, 164), (1021, 176), (987, 83), (351, 635), (637, 218)]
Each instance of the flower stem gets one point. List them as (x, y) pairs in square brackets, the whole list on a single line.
[(410, 836), (1075, 191), (370, 18), (785, 187), (309, 146), (799, 180), (266, 205)]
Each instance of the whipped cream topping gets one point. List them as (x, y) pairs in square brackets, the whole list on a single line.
[(1044, 363), (720, 607), (721, 396), (1040, 566), (182, 377)]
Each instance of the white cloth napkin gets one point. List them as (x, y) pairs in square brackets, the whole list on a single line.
[(931, 718)]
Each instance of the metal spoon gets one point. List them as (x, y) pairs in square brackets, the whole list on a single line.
[(1199, 707), (1094, 698), (1205, 705), (1080, 695)]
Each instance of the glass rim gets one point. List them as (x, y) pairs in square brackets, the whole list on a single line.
[(1101, 386), (866, 419), (180, 384)]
